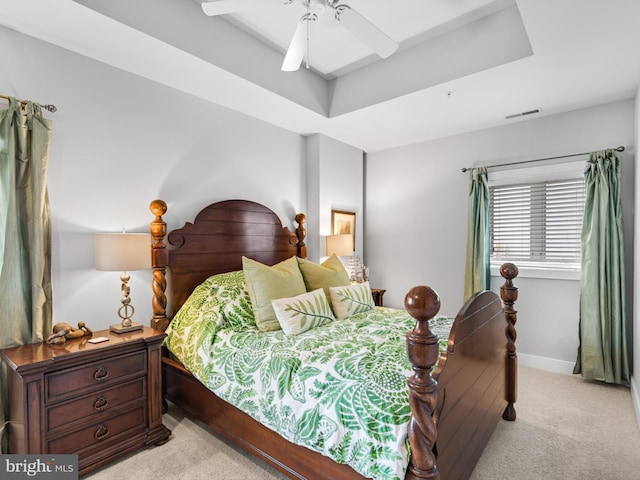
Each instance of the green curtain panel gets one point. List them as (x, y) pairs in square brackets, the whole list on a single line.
[(478, 274), (602, 354), (25, 232)]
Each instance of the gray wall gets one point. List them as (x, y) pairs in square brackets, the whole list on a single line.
[(336, 184), (416, 228), (120, 141)]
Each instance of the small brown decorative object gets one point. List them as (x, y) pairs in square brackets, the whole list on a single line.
[(63, 331)]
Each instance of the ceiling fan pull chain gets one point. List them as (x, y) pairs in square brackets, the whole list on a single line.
[(308, 43)]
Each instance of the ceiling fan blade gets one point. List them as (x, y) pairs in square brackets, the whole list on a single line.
[(222, 7), (366, 31), (298, 45)]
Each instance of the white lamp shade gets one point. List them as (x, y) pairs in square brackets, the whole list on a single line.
[(123, 252), (340, 245)]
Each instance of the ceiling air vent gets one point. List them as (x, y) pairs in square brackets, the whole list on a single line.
[(529, 112)]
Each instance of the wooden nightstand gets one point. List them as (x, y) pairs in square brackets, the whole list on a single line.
[(377, 296), (99, 400)]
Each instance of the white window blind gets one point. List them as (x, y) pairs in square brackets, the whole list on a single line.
[(537, 224)]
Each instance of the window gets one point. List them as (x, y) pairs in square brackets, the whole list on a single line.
[(537, 223)]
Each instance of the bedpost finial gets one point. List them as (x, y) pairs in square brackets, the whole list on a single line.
[(422, 302), (509, 271), (301, 233), (158, 208)]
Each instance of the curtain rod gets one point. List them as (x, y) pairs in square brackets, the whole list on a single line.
[(619, 149), (51, 108)]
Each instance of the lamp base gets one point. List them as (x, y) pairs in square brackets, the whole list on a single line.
[(131, 328)]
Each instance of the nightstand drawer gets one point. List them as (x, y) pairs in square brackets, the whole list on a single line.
[(99, 432), (94, 403), (68, 382)]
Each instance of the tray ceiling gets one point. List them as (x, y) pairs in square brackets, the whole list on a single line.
[(462, 65)]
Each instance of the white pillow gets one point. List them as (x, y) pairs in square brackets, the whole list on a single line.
[(352, 299), (303, 312)]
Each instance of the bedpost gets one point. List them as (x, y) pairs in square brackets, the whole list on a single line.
[(159, 262), (301, 233), (509, 294), (422, 303)]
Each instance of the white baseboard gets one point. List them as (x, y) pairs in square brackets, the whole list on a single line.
[(635, 398), (547, 364)]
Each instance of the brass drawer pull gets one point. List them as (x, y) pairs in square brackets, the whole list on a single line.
[(101, 403), (102, 432), (101, 374)]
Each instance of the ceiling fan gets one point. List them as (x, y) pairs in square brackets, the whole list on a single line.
[(358, 25)]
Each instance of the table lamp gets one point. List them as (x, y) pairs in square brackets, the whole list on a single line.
[(123, 252), (340, 245)]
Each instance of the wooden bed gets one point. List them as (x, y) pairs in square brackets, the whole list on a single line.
[(454, 411)]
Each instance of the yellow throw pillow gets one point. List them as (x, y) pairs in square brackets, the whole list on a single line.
[(266, 283), (330, 273)]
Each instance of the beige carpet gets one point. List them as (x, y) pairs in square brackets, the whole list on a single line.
[(567, 428)]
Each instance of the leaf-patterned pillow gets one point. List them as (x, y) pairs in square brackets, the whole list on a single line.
[(303, 312), (352, 299)]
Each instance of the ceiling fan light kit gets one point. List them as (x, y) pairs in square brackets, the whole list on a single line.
[(354, 22)]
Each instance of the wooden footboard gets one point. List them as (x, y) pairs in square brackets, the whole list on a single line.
[(456, 409)]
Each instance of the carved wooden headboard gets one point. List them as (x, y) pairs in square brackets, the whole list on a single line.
[(215, 242)]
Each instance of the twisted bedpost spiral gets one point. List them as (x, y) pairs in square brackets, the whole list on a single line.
[(509, 295), (422, 303), (159, 261)]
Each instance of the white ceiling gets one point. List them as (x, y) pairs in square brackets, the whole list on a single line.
[(462, 65)]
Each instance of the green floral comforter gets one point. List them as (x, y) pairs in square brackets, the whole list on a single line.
[(339, 389)]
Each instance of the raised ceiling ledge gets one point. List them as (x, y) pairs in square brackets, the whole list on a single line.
[(488, 42)]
